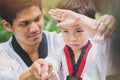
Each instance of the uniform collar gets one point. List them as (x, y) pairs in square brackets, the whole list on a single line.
[(43, 50)]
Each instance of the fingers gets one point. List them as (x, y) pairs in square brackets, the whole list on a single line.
[(35, 70), (110, 28), (48, 72), (58, 14), (103, 18), (50, 67), (105, 24), (102, 28), (39, 69)]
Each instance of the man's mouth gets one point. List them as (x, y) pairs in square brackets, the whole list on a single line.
[(35, 35)]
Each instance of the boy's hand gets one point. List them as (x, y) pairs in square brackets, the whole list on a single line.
[(70, 18), (104, 25), (66, 17)]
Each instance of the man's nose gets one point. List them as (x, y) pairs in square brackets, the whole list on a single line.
[(34, 27)]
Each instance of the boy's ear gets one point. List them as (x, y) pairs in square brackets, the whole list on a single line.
[(7, 25)]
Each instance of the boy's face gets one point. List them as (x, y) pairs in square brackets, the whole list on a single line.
[(28, 25), (75, 36)]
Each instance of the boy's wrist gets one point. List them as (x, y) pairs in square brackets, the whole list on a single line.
[(89, 23)]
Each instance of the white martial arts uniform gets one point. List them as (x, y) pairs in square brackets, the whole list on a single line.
[(11, 65), (98, 65)]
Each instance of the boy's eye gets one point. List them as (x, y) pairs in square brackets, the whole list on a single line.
[(65, 31), (78, 31)]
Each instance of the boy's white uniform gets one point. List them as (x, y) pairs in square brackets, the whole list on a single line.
[(98, 63), (11, 65)]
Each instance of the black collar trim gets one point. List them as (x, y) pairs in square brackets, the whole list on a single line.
[(43, 50)]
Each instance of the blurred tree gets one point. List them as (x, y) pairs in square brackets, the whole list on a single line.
[(106, 6)]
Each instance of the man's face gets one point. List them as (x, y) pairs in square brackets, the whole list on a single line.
[(75, 36), (28, 25)]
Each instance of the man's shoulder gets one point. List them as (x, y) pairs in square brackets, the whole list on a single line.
[(54, 38), (5, 44), (53, 35)]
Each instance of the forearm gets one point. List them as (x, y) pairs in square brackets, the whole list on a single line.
[(87, 22)]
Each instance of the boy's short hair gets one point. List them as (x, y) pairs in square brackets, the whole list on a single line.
[(85, 7), (10, 8)]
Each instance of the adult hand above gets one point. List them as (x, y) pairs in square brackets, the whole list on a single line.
[(106, 25)]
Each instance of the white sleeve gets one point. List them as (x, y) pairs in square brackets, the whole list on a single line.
[(111, 63), (6, 70)]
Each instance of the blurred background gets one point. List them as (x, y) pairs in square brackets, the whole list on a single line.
[(102, 7)]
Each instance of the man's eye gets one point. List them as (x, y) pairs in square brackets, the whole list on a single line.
[(24, 24), (37, 19)]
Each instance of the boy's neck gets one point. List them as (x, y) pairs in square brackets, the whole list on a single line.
[(77, 53)]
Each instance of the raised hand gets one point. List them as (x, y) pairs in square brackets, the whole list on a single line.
[(106, 25), (103, 26)]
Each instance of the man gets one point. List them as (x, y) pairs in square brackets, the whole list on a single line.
[(19, 57), (28, 43)]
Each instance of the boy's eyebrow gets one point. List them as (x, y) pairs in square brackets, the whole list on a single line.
[(63, 28), (79, 28), (75, 28)]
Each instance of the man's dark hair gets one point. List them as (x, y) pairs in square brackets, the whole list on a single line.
[(10, 8)]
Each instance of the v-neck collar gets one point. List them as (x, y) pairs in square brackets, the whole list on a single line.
[(76, 69), (43, 50)]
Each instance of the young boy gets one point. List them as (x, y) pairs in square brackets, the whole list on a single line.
[(82, 57)]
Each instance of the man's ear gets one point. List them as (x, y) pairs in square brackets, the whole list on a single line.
[(7, 25)]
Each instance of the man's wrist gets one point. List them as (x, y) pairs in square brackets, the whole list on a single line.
[(26, 75)]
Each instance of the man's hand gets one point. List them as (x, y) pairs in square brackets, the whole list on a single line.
[(39, 70)]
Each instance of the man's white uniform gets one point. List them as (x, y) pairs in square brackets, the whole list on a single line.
[(12, 65)]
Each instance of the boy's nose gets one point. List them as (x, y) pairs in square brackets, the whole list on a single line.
[(73, 38)]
